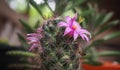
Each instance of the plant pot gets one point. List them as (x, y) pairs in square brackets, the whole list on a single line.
[(105, 66)]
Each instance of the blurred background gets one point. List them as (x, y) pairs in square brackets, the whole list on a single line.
[(11, 11)]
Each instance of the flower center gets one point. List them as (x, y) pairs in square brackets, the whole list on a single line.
[(74, 27)]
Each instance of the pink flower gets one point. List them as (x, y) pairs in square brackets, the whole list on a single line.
[(74, 29), (33, 39)]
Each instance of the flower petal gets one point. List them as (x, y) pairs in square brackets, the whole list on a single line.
[(67, 30), (87, 39), (39, 30), (75, 35), (32, 35), (68, 18), (84, 37), (76, 24), (85, 32), (32, 38), (32, 47), (73, 20), (62, 24)]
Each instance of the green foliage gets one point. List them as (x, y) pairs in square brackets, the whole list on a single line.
[(111, 36), (21, 53), (99, 41), (73, 4), (37, 24), (104, 53), (23, 41), (95, 63), (94, 43), (26, 26), (108, 26), (103, 18), (109, 53), (33, 3)]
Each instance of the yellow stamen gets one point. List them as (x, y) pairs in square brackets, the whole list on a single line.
[(74, 27), (81, 19)]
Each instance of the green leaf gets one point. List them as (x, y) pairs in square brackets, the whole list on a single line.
[(75, 3), (45, 11), (94, 43), (21, 53), (104, 53), (106, 27), (109, 53), (103, 18), (107, 17), (61, 5), (23, 41), (21, 38), (95, 63), (97, 42), (85, 13), (37, 24), (25, 66), (34, 4), (112, 35), (26, 26)]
